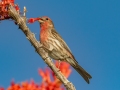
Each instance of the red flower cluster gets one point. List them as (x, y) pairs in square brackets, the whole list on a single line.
[(49, 80), (1, 88), (4, 4), (55, 84)]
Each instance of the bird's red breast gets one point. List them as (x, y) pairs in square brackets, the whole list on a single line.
[(44, 32)]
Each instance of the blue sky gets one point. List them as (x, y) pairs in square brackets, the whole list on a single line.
[(91, 28)]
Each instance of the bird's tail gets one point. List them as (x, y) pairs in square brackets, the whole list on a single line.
[(80, 70)]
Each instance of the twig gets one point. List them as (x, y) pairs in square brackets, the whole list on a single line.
[(21, 22)]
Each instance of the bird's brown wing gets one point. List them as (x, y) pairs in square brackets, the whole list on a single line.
[(72, 60), (58, 37)]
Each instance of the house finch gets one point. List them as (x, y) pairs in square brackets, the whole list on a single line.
[(57, 48)]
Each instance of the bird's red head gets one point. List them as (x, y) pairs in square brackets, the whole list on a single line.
[(45, 22)]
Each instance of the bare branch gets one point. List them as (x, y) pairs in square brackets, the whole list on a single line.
[(21, 22)]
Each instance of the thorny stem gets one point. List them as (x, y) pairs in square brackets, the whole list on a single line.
[(21, 22)]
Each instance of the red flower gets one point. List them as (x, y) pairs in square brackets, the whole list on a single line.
[(49, 80), (4, 4), (1, 88), (55, 84), (32, 20)]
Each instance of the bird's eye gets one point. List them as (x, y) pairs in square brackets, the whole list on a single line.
[(46, 18)]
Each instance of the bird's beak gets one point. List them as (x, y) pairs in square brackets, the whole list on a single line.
[(40, 20)]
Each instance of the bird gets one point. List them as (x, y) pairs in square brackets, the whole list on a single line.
[(57, 48)]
